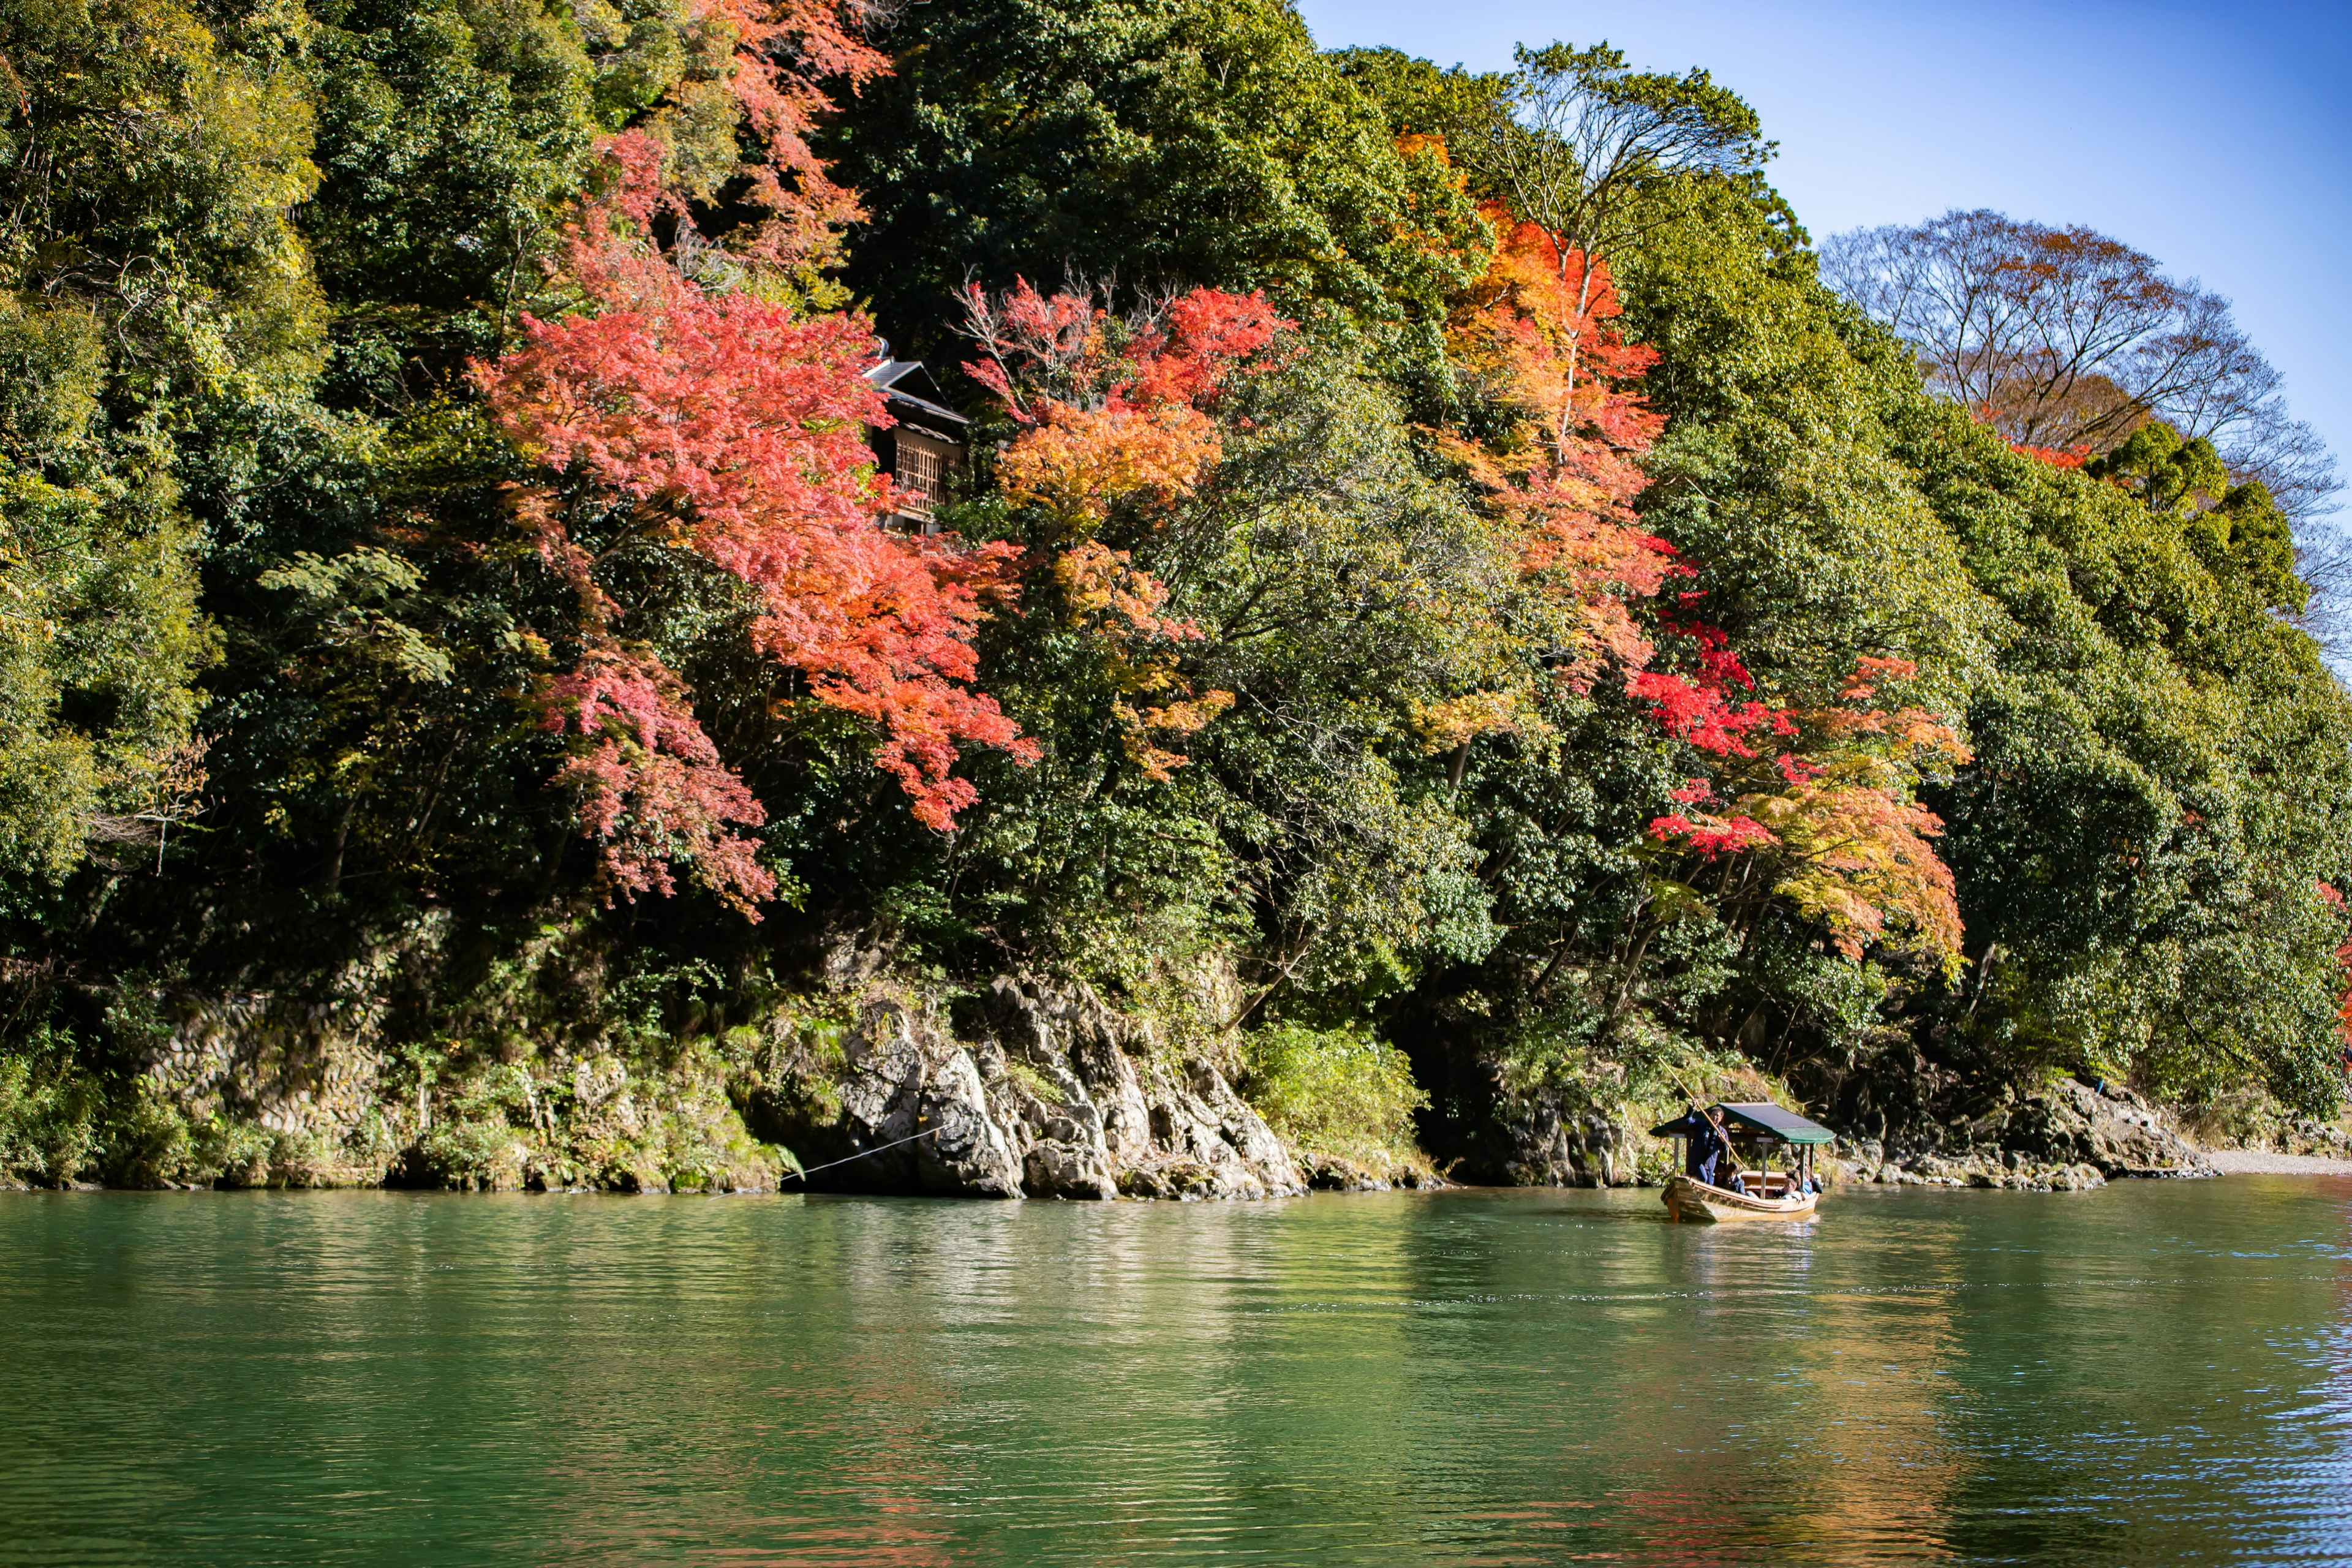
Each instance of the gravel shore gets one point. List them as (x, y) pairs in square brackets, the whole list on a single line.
[(2262, 1163)]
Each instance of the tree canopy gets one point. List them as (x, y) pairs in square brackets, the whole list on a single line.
[(1445, 568)]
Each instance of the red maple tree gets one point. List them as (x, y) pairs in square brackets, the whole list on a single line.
[(676, 416), (1113, 410), (1832, 818)]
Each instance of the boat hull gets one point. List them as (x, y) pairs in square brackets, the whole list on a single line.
[(1694, 1202)]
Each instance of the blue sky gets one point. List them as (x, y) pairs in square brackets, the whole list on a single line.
[(2217, 139)]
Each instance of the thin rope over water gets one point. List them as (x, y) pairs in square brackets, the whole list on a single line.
[(861, 1155)]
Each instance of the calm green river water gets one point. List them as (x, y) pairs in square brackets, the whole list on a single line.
[(2153, 1373)]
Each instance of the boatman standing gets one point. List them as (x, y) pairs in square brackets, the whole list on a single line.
[(1710, 1143)]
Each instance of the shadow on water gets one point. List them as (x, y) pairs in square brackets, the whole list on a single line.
[(2153, 1374)]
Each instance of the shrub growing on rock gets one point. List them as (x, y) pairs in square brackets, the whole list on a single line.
[(1334, 1091)]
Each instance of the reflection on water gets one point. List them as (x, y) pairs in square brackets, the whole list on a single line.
[(2153, 1373)]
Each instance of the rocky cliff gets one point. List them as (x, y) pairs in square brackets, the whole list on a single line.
[(1059, 1098), (2067, 1136), (1045, 1092)]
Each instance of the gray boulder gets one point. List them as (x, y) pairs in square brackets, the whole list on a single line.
[(2119, 1134), (2069, 1137), (907, 1111), (1099, 1109)]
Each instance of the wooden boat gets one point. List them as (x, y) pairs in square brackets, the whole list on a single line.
[(1755, 1129), (1690, 1199)]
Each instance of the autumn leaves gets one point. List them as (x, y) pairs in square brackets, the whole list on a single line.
[(687, 407), (678, 415)]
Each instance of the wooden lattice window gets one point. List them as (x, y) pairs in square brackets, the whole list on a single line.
[(921, 477)]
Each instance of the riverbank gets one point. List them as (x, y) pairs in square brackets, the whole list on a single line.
[(2071, 1136), (1035, 1088)]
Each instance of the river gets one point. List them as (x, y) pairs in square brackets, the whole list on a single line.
[(2155, 1374)]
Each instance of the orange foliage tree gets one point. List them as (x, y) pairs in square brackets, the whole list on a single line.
[(1537, 331), (1117, 412), (1828, 826), (1825, 819)]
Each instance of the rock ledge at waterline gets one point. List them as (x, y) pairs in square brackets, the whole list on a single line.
[(2066, 1138), (1064, 1098), (1041, 1090), (1061, 1098)]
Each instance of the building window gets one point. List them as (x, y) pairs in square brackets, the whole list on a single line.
[(919, 468), (921, 485)]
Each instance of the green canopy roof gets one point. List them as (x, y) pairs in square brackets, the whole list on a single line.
[(1756, 1116)]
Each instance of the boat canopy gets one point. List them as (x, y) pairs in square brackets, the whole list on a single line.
[(1755, 1118)]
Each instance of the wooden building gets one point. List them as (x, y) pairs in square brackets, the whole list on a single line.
[(925, 451)]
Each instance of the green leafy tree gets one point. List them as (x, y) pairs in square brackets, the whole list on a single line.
[(150, 275), (1158, 143), (2188, 480)]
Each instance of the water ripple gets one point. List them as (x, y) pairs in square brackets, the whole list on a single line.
[(2148, 1374)]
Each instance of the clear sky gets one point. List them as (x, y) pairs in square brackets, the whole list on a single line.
[(2217, 138)]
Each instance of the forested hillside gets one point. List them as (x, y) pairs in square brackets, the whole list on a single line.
[(1458, 623)]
